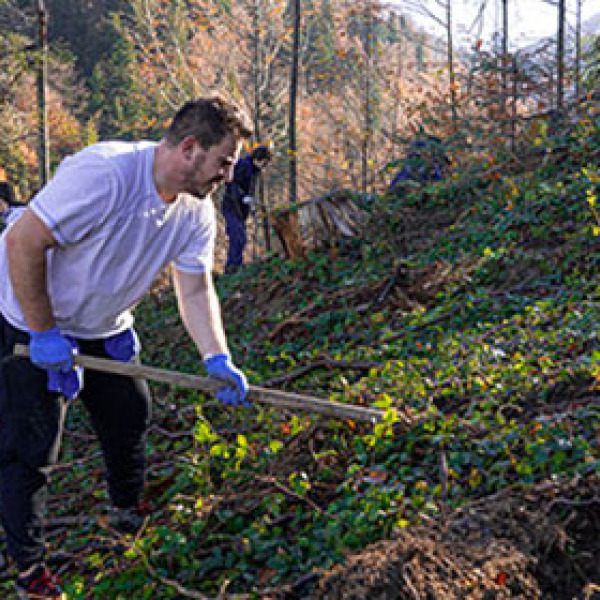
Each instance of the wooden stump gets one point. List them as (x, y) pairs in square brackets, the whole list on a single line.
[(285, 223)]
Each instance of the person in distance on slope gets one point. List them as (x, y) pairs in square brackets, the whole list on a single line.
[(238, 202)]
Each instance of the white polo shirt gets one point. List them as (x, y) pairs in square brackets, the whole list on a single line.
[(114, 234)]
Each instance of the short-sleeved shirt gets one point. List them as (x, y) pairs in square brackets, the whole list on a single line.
[(114, 234)]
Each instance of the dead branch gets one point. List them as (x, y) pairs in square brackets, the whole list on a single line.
[(350, 365)]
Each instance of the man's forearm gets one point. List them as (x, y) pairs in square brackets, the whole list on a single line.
[(26, 253), (205, 327), (201, 313)]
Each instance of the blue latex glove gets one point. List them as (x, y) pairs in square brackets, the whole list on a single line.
[(220, 367), (49, 349), (67, 383), (123, 346)]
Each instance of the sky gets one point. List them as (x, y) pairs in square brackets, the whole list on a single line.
[(529, 20)]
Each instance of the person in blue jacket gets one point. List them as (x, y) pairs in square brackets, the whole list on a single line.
[(239, 201), (425, 162)]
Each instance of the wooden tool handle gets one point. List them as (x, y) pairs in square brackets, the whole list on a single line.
[(205, 384)]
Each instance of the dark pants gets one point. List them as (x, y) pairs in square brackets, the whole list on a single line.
[(235, 227), (31, 425)]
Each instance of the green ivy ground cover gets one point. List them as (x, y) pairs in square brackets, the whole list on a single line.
[(491, 346)]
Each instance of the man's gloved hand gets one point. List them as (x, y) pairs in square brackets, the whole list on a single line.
[(67, 383), (49, 349), (250, 202), (123, 346), (220, 367), (54, 352)]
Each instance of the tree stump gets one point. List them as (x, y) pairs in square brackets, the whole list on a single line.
[(286, 225)]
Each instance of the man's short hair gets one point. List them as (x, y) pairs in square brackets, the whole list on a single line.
[(209, 120)]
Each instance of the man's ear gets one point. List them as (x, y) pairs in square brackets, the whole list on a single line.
[(187, 146)]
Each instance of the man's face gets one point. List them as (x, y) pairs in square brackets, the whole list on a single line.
[(207, 169)]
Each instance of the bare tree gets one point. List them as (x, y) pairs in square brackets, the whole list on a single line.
[(42, 82), (440, 11), (191, 48), (451, 74), (504, 61), (293, 95), (560, 55), (368, 116), (257, 78), (578, 7)]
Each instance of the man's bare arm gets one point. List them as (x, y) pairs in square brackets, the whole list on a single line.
[(200, 311), (26, 245)]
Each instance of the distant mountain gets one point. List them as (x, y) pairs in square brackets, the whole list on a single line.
[(592, 25), (589, 27)]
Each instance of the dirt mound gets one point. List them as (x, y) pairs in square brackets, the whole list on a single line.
[(542, 543)]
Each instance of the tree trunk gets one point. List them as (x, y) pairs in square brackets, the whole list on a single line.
[(504, 60), (451, 73), (42, 83), (560, 55), (293, 164), (578, 50), (261, 198), (515, 98), (398, 79), (367, 133)]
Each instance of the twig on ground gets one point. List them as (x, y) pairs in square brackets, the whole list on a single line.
[(356, 365)]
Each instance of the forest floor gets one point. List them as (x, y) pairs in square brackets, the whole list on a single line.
[(528, 541), (469, 314), (539, 543)]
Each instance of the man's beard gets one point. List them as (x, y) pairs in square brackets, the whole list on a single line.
[(206, 189)]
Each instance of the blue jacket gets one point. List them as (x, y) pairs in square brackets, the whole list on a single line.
[(422, 174), (244, 181)]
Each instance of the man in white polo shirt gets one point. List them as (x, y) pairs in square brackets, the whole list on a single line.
[(72, 265)]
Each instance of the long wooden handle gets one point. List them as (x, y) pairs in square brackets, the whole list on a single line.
[(205, 384)]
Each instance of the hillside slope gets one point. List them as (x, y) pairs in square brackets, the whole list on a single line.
[(471, 307)]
